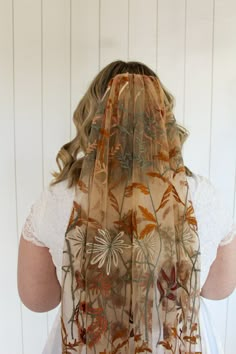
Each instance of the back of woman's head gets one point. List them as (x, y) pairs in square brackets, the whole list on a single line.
[(70, 166)]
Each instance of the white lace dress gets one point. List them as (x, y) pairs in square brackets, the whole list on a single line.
[(48, 218)]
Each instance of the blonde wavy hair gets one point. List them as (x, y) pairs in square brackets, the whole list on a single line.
[(70, 157)]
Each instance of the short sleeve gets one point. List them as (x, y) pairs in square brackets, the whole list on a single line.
[(31, 227), (224, 222), (218, 221), (48, 219), (215, 224)]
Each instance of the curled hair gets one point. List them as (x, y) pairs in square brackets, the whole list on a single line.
[(70, 157)]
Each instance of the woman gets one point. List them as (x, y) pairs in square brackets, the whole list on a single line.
[(128, 234)]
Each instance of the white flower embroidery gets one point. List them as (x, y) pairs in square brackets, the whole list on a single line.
[(184, 237), (107, 249), (77, 236), (146, 248)]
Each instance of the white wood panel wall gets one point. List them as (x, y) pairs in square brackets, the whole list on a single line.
[(49, 53)]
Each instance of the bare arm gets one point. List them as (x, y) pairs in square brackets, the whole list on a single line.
[(38, 285), (221, 280)]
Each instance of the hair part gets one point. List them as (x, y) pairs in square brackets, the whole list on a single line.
[(69, 158)]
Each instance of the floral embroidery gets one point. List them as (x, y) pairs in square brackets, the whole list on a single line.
[(77, 236), (146, 248), (184, 238), (107, 249)]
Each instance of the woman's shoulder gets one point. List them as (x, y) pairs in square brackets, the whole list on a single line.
[(59, 199), (211, 208), (61, 190), (201, 187)]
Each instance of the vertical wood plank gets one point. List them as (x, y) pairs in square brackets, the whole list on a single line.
[(55, 81), (231, 309), (113, 31), (198, 84), (84, 49), (28, 130), (171, 50), (223, 147), (143, 38), (10, 306)]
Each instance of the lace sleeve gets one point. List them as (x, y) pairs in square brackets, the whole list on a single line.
[(222, 223), (30, 229), (215, 225)]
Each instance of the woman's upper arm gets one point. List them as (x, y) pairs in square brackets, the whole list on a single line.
[(38, 285), (221, 280), (218, 244), (37, 282)]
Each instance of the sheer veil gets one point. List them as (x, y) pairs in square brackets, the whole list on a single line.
[(131, 259)]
